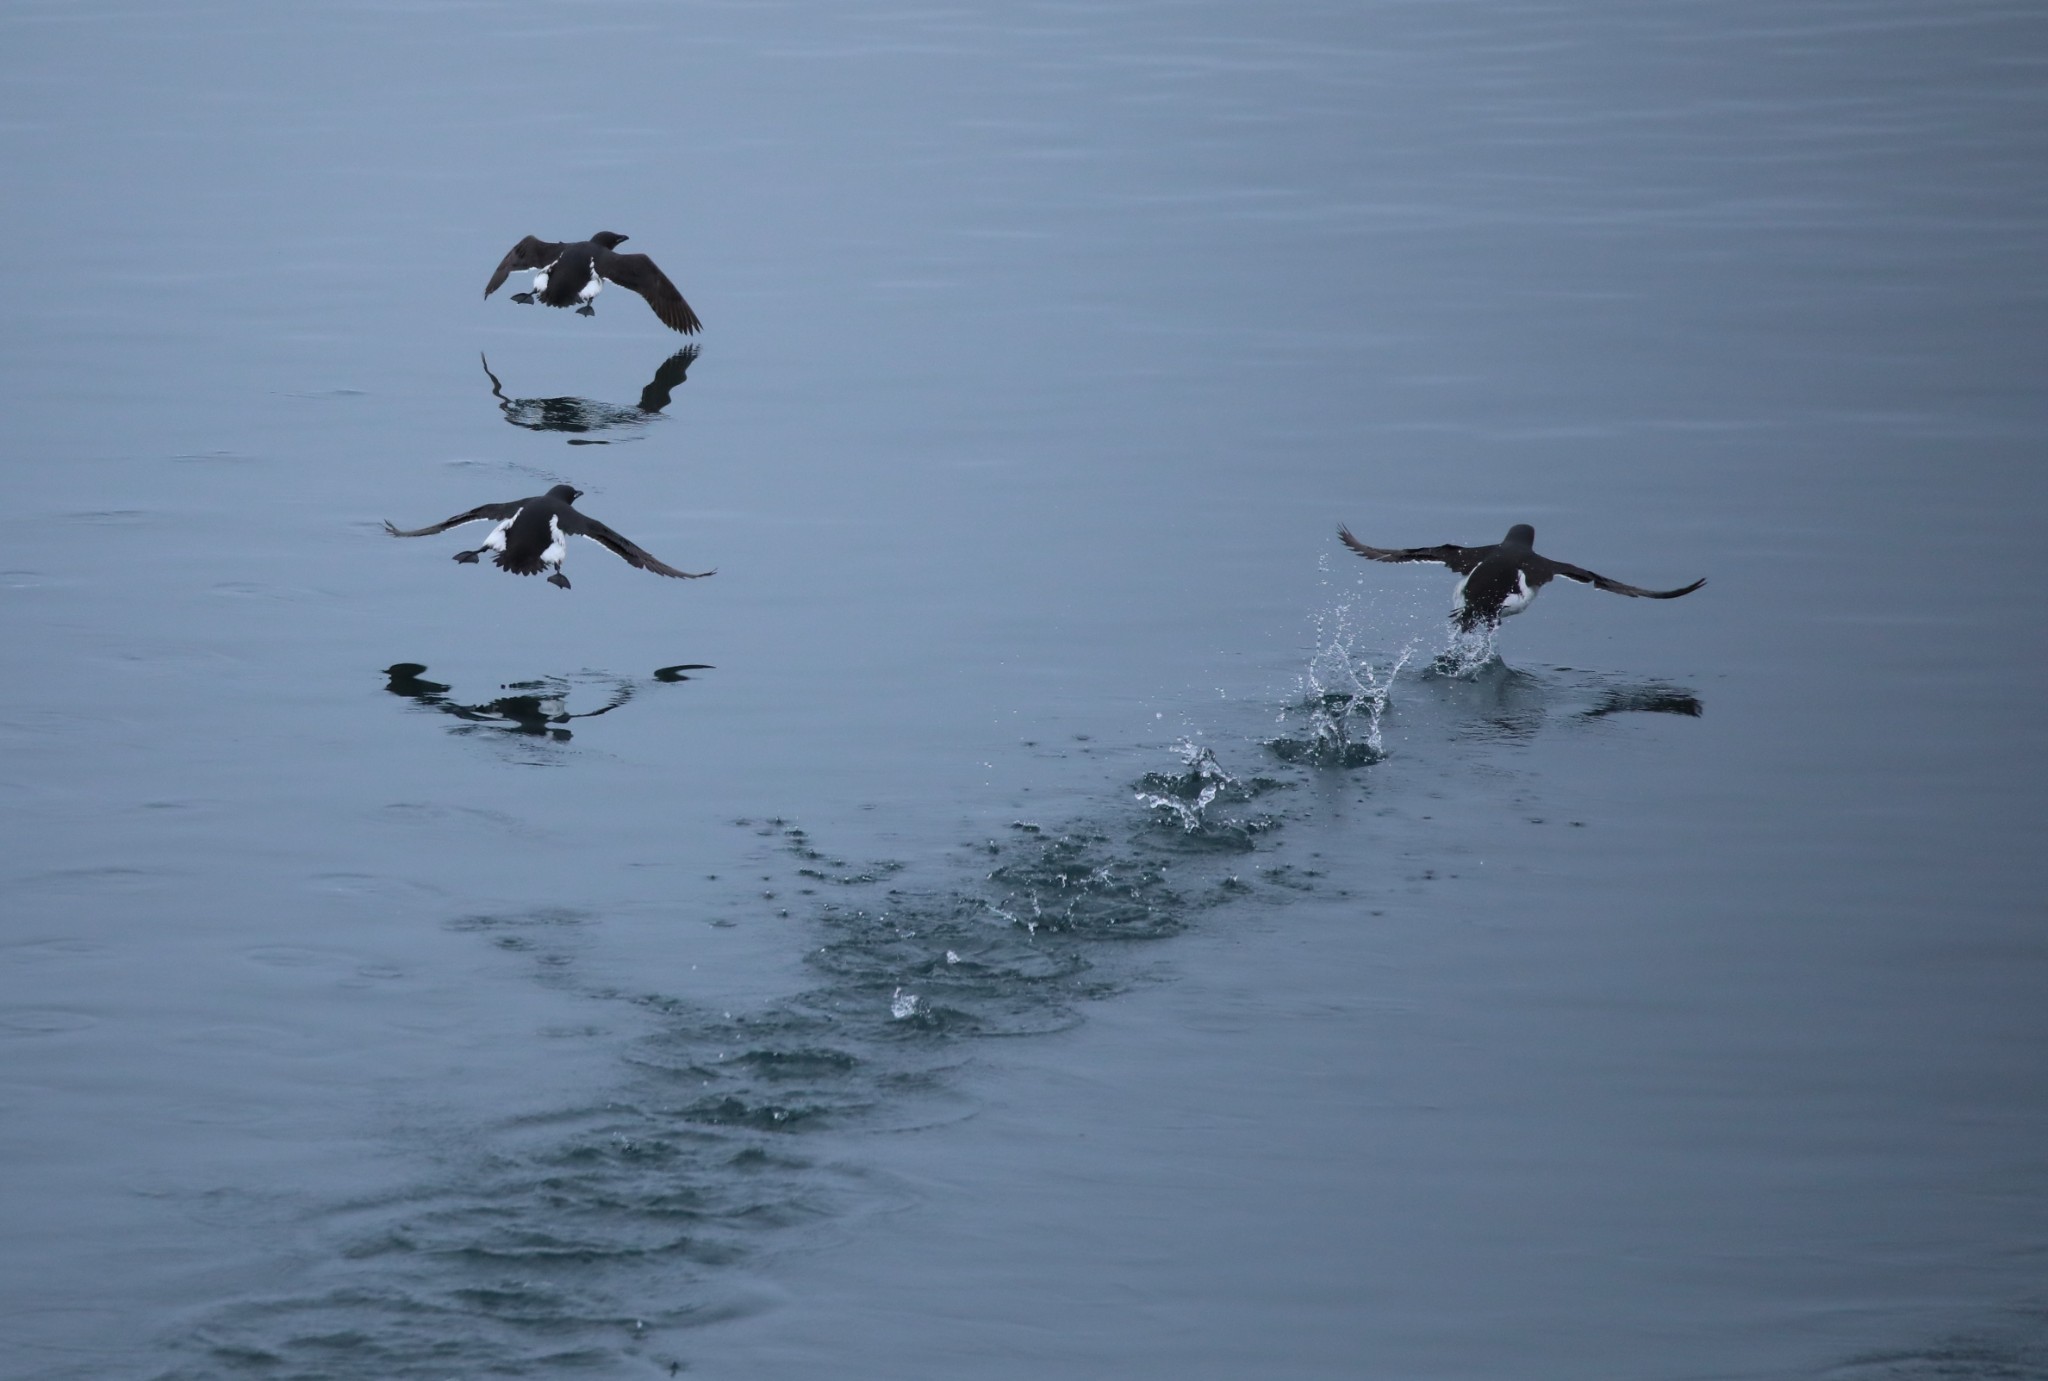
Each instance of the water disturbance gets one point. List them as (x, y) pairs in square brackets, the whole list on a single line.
[(1045, 907)]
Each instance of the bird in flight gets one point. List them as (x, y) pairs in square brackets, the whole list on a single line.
[(533, 534), (570, 275), (1502, 579)]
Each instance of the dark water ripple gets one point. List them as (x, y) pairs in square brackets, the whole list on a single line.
[(579, 1241), (586, 1241), (575, 1243), (2009, 1348)]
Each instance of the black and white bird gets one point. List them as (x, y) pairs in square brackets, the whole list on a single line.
[(570, 275), (1502, 579), (533, 534)]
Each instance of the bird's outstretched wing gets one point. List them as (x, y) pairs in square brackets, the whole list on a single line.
[(1601, 582), (582, 525), (529, 253), (637, 271), (1459, 559), (674, 370), (491, 512)]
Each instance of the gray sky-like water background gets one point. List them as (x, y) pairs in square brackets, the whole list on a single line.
[(1041, 909)]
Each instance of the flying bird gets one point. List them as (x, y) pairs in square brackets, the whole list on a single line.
[(533, 534), (570, 275), (1502, 579)]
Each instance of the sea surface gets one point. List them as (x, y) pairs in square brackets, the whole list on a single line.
[(1043, 909)]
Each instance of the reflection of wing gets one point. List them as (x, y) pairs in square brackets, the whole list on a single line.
[(496, 387), (529, 253), (1646, 700), (582, 525), (621, 693), (493, 512), (637, 271), (1601, 582), (1459, 559), (673, 371)]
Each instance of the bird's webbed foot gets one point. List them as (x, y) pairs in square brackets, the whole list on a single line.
[(586, 310), (468, 558), (527, 298), (559, 579)]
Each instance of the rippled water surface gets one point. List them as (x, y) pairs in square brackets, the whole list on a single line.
[(1043, 908)]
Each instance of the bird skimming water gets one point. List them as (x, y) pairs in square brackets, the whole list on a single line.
[(533, 534), (570, 275), (1502, 579)]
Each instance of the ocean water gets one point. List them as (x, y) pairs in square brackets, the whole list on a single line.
[(1043, 908)]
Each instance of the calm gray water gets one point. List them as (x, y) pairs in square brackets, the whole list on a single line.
[(1059, 920)]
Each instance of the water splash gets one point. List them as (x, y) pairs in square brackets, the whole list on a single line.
[(1189, 793), (1187, 799), (1343, 701), (1470, 654)]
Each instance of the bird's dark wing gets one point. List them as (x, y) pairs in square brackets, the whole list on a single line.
[(637, 271), (582, 525), (529, 253), (1601, 582), (492, 512), (1459, 559), (674, 370)]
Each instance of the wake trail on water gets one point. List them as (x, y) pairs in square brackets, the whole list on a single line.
[(590, 1239)]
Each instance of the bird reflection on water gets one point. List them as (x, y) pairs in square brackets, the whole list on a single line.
[(1649, 698), (1508, 704), (580, 415), (537, 708)]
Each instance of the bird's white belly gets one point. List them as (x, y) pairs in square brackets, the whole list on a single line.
[(590, 289), (496, 541), (557, 549), (1518, 599), (1521, 599), (540, 281)]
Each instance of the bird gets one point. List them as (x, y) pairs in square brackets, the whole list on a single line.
[(533, 534), (1502, 579), (570, 275)]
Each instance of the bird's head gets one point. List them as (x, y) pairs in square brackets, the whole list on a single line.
[(566, 493), (608, 239), (1520, 535)]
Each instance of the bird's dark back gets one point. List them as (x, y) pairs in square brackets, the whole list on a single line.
[(1490, 583)]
